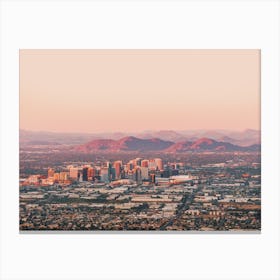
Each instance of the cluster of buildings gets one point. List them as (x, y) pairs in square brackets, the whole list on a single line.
[(195, 192), (138, 170), (142, 195)]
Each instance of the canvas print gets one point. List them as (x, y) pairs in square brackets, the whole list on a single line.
[(140, 140)]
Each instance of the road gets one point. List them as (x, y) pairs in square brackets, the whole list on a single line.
[(186, 201)]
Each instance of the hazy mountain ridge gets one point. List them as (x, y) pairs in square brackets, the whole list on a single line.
[(241, 138), (130, 143), (155, 144), (207, 144)]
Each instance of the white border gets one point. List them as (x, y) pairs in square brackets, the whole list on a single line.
[(140, 24)]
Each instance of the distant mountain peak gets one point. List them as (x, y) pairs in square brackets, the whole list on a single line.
[(128, 138), (131, 143)]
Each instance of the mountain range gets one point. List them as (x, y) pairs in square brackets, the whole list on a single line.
[(240, 138), (132, 143)]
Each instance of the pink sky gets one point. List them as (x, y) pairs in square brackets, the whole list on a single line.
[(135, 90)]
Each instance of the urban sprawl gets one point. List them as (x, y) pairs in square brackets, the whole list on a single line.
[(144, 194)]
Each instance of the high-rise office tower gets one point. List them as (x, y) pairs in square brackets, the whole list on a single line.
[(73, 173), (104, 174), (85, 174), (130, 165), (112, 174), (50, 173), (137, 162), (145, 173), (159, 164), (152, 164), (153, 178), (145, 163), (138, 176), (56, 176), (117, 165), (91, 173), (63, 176)]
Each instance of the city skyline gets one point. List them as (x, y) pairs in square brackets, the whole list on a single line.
[(143, 193), (158, 140), (94, 91)]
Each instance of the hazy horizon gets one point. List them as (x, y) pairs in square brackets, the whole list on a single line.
[(140, 131), (95, 91)]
